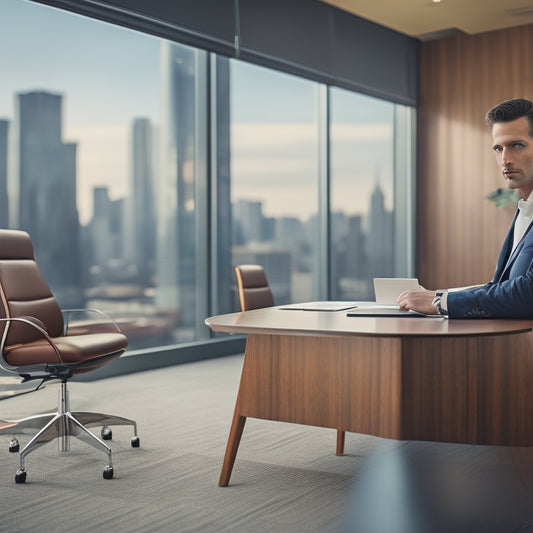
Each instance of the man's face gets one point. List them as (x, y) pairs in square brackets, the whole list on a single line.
[(513, 146)]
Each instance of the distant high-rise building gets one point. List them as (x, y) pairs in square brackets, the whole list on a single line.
[(181, 171), (4, 203), (379, 243), (248, 217), (140, 225), (289, 232), (176, 247), (47, 192), (355, 248), (106, 230)]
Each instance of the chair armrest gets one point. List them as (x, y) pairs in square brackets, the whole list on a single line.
[(88, 325), (36, 324)]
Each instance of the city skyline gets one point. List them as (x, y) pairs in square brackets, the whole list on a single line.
[(123, 254), (103, 160), (109, 76), (248, 194)]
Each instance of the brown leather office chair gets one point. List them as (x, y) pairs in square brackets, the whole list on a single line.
[(37, 343), (255, 293), (253, 287)]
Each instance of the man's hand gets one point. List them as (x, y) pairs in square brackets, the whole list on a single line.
[(418, 301)]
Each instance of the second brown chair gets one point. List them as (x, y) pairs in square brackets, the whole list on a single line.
[(253, 287), (254, 293)]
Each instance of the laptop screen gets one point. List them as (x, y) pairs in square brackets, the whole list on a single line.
[(387, 290)]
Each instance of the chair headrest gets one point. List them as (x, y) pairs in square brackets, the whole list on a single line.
[(252, 276), (15, 244)]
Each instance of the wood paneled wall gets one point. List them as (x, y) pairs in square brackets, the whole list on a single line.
[(459, 232)]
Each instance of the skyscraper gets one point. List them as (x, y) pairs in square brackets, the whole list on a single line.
[(47, 192), (178, 172), (379, 244), (248, 215), (355, 246), (141, 219), (106, 231)]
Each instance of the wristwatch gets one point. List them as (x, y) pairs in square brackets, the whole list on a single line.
[(437, 302)]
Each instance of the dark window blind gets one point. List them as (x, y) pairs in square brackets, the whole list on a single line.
[(303, 37)]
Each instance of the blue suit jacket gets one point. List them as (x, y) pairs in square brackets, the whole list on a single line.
[(510, 293)]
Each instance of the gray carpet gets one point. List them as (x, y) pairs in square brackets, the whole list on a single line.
[(286, 477)]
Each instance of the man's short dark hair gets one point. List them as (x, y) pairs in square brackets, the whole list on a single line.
[(511, 110)]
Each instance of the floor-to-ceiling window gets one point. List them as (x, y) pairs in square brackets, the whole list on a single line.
[(362, 193), (274, 178), (145, 169), (105, 136), (371, 193)]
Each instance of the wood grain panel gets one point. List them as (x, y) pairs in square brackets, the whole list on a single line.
[(459, 231), (476, 390), (346, 383), (436, 389), (504, 392), (478, 393)]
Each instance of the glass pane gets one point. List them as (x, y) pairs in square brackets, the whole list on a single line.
[(104, 144), (362, 194), (274, 178)]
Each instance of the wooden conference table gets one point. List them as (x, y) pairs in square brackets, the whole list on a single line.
[(460, 381)]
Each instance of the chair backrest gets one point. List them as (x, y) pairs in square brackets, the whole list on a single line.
[(23, 290), (254, 291)]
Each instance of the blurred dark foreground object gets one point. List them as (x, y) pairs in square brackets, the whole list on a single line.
[(426, 487)]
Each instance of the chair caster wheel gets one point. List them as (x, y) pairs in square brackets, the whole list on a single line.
[(107, 434), (20, 476), (135, 442), (14, 445), (108, 472)]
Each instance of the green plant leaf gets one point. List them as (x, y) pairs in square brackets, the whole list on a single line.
[(503, 197)]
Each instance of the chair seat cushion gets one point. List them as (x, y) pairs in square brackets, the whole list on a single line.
[(73, 349)]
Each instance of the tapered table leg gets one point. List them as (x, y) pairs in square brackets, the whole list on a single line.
[(235, 434), (340, 442)]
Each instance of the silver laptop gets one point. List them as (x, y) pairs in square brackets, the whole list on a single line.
[(321, 306), (387, 291)]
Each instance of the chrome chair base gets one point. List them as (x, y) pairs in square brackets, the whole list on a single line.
[(62, 425)]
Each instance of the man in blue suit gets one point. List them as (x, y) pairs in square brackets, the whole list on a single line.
[(510, 293)]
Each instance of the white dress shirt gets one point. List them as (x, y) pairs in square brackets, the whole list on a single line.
[(524, 219)]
